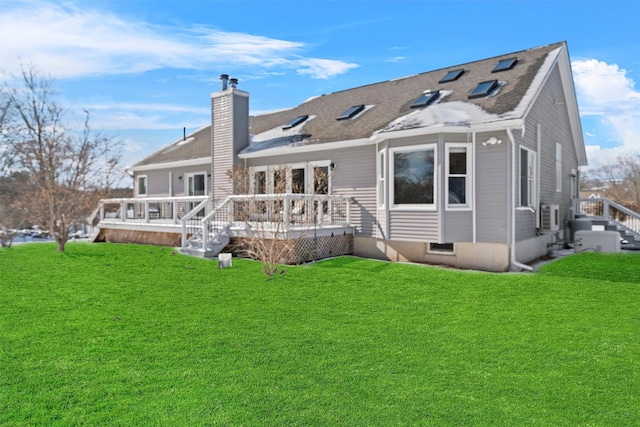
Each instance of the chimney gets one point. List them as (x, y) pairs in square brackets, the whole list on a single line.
[(224, 78), (229, 134)]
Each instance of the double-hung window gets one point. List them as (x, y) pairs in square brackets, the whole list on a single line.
[(527, 177), (414, 178), (458, 167)]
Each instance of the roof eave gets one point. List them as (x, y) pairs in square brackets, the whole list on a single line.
[(169, 165), (383, 136)]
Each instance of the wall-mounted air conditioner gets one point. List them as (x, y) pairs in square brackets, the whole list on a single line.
[(550, 220)]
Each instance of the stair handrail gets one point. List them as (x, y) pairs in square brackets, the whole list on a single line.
[(606, 211), (193, 212)]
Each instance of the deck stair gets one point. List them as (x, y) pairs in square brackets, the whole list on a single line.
[(629, 238), (217, 240), (610, 216), (206, 236)]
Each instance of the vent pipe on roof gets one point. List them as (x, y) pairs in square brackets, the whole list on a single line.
[(233, 82), (184, 134), (224, 78)]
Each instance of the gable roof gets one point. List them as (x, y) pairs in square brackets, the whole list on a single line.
[(388, 108)]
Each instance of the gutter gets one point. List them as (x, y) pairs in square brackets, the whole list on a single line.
[(384, 136), (512, 246)]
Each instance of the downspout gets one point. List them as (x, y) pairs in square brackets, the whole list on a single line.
[(538, 169), (378, 165), (513, 262), (474, 211)]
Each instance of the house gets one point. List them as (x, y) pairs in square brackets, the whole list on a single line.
[(473, 165)]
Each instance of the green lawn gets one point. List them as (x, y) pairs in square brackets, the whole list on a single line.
[(131, 335)]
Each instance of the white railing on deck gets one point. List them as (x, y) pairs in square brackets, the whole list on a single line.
[(284, 211), (201, 221), (148, 209), (609, 210)]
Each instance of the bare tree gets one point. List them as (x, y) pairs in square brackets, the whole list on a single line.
[(266, 226), (69, 167), (619, 181)]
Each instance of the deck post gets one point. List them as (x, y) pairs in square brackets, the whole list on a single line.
[(204, 229), (286, 209), (174, 212), (123, 211), (146, 211)]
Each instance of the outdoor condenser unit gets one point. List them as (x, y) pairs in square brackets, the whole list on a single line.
[(550, 220)]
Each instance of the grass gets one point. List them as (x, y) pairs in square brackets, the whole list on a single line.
[(124, 335)]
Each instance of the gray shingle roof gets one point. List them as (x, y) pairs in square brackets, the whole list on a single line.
[(386, 102)]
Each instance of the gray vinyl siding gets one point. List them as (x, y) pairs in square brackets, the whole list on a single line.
[(414, 226), (493, 183), (157, 182), (355, 176), (230, 133), (550, 111), (457, 226)]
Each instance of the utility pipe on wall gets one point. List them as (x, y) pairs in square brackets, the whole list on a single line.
[(514, 262)]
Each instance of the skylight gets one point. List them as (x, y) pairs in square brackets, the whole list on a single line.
[(295, 122), (505, 64), (483, 89), (352, 111), (426, 99), (452, 75)]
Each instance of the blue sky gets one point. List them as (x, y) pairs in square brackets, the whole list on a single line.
[(145, 69)]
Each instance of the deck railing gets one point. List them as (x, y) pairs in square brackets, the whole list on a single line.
[(200, 221), (267, 212), (608, 210), (148, 209)]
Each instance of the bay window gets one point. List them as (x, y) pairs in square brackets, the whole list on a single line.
[(414, 178)]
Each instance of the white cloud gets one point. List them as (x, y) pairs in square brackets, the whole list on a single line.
[(322, 68), (607, 94), (397, 59), (70, 41)]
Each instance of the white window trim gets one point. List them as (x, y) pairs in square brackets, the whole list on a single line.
[(381, 178), (311, 176), (413, 207), (440, 251), (532, 196), (146, 185), (192, 174), (308, 174), (558, 167), (469, 188), (252, 178)]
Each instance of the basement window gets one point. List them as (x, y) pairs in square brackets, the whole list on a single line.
[(452, 75), (426, 99), (505, 64), (351, 112), (295, 122), (441, 248), (484, 89)]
